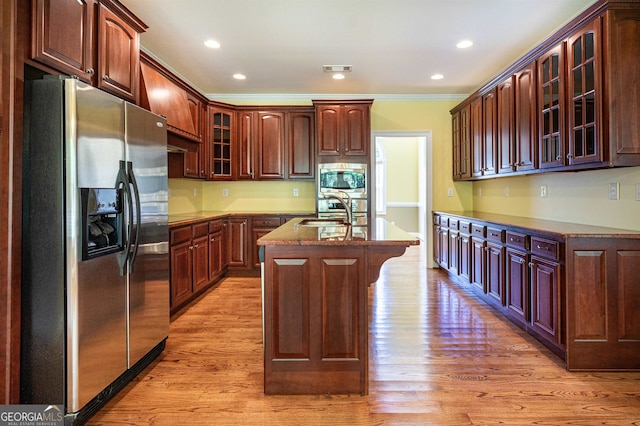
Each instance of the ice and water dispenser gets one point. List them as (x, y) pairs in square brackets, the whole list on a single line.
[(102, 222)]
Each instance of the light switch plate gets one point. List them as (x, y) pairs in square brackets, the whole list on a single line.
[(543, 191), (225, 192), (614, 191), (450, 192), (295, 192)]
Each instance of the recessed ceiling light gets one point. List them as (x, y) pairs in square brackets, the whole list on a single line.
[(437, 77), (464, 44), (239, 76), (212, 44), (338, 76)]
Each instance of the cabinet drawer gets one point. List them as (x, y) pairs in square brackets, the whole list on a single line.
[(478, 230), (215, 225), (516, 240), (495, 234), (444, 221), (545, 248), (200, 229), (267, 222), (464, 227), (180, 235), (453, 223)]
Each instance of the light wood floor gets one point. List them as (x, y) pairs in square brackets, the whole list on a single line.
[(437, 357)]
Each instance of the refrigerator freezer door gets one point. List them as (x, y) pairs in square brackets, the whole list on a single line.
[(148, 287), (96, 292)]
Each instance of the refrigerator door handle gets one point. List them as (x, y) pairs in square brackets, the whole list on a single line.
[(138, 222), (123, 180)]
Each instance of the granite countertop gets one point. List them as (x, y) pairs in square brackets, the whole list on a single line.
[(380, 233), (564, 229), (194, 217)]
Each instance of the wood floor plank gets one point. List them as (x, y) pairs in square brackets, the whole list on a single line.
[(437, 356)]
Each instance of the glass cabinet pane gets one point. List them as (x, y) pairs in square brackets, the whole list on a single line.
[(588, 46), (589, 77), (555, 66), (577, 82), (577, 52)]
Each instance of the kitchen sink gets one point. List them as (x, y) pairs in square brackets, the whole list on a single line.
[(323, 222)]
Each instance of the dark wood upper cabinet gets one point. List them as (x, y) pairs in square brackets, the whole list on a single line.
[(63, 36), (301, 149), (525, 118), (271, 145), (275, 143), (551, 107), (505, 135), (221, 139), (584, 106), (118, 55), (574, 101), (461, 124), (98, 42), (343, 129), (475, 126)]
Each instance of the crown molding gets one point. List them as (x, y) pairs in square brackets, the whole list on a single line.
[(231, 97)]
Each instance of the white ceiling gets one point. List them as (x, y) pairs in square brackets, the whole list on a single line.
[(394, 46)]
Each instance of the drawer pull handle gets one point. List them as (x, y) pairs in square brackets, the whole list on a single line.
[(517, 240), (539, 247), (494, 234)]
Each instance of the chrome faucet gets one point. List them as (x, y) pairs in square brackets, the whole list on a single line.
[(345, 204)]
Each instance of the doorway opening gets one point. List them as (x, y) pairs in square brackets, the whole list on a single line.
[(401, 174)]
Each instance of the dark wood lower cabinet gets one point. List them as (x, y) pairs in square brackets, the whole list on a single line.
[(517, 285), (316, 320), (577, 292), (189, 254), (545, 300)]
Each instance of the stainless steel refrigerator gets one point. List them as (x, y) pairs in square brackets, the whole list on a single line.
[(95, 269)]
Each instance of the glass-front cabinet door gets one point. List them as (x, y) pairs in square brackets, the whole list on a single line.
[(584, 77), (551, 107), (220, 143)]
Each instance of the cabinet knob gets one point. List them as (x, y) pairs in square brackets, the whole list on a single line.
[(90, 71), (105, 78), (569, 156), (213, 239), (539, 247), (558, 158)]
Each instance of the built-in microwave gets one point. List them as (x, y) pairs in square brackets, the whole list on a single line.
[(350, 178)]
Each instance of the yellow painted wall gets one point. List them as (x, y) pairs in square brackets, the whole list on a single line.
[(434, 116), (268, 196), (580, 197)]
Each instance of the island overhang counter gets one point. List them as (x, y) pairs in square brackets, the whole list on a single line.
[(315, 303)]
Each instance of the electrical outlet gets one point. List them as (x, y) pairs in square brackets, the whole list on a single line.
[(225, 192), (479, 192), (295, 192), (637, 191), (543, 191), (195, 192), (614, 191), (450, 192), (506, 191)]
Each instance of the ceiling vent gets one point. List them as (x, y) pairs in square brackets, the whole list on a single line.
[(336, 68)]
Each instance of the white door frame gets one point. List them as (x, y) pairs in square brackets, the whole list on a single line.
[(425, 176)]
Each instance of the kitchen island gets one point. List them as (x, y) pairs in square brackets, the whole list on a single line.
[(315, 302)]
